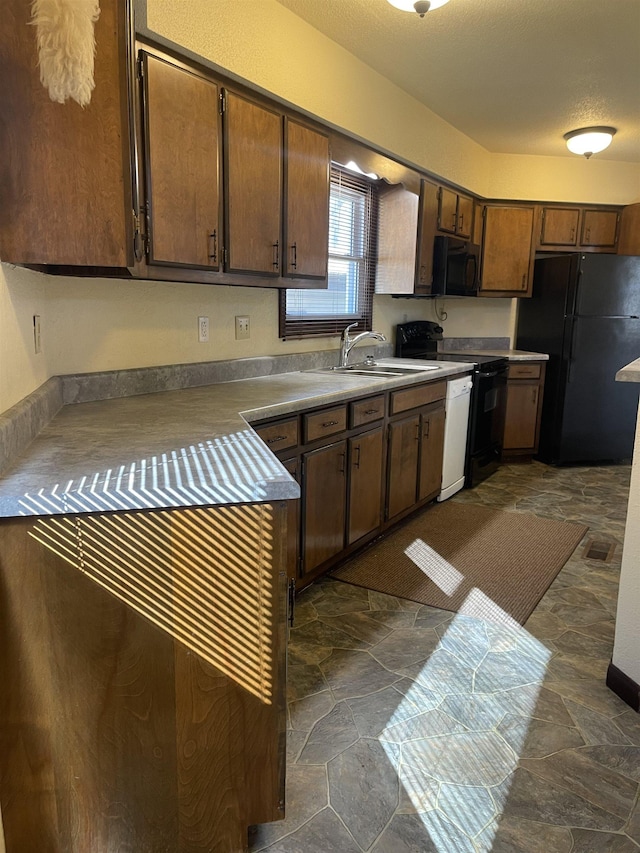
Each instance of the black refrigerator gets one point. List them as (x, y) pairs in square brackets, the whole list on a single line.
[(585, 313)]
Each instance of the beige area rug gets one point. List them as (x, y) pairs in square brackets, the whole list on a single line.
[(470, 559)]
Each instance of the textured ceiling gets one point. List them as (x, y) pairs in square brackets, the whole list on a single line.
[(513, 75)]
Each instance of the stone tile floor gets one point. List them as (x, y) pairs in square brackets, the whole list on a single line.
[(413, 729)]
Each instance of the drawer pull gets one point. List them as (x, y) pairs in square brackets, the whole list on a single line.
[(276, 439), (330, 423), (371, 411)]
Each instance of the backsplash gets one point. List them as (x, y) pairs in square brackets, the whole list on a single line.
[(472, 344)]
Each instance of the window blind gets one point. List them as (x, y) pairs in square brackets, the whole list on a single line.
[(348, 298)]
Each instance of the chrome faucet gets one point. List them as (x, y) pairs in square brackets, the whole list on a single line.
[(347, 343)]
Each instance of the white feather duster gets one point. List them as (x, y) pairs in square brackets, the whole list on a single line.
[(66, 47)]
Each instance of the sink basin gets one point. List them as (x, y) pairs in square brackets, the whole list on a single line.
[(374, 370)]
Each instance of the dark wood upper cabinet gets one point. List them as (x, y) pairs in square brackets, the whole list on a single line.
[(455, 213), (575, 228), (65, 179), (427, 227), (182, 154), (629, 236), (306, 217), (253, 186), (507, 250), (559, 226), (599, 228)]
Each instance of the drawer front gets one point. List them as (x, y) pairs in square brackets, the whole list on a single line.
[(328, 422), (420, 395), (367, 411), (524, 371), (280, 436)]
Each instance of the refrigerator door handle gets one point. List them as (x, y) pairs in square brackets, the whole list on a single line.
[(571, 324)]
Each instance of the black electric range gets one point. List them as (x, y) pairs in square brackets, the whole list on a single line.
[(419, 339)]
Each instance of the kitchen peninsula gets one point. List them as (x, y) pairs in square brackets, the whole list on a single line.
[(142, 562)]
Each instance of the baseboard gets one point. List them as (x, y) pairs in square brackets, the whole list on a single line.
[(623, 686)]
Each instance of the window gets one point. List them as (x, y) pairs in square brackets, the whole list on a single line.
[(352, 250)]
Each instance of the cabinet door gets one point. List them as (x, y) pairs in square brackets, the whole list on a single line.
[(365, 484), (447, 210), (427, 227), (464, 219), (559, 226), (402, 471), (600, 228), (431, 451), (324, 488), (65, 184), (182, 174), (520, 431), (293, 523), (307, 202), (507, 254), (629, 237), (253, 184)]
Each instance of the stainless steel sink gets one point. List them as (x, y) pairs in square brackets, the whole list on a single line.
[(374, 370)]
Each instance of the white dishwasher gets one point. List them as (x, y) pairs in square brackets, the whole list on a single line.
[(455, 435)]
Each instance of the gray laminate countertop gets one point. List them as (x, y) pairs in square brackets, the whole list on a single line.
[(630, 372), (191, 447), (510, 354)]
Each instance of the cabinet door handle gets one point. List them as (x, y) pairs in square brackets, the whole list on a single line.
[(329, 423), (453, 221), (342, 456), (461, 223), (276, 254), (294, 256), (213, 244), (417, 432), (534, 395), (524, 281), (276, 439), (573, 235), (356, 453), (428, 423), (588, 234)]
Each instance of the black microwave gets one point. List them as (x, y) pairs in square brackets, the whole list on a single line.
[(456, 267)]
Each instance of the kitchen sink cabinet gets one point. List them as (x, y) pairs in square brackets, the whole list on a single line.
[(431, 451), (507, 250), (366, 456), (402, 465), (182, 165), (525, 386)]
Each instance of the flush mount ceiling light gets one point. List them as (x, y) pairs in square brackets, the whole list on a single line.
[(421, 6), (589, 140)]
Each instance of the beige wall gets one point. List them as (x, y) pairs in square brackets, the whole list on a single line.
[(98, 324)]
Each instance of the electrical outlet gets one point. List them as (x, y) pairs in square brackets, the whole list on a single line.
[(242, 328), (37, 341), (203, 329)]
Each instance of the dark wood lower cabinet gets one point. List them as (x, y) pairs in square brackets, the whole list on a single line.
[(525, 386), (402, 464), (143, 674), (324, 504), (293, 524), (431, 451), (365, 484)]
